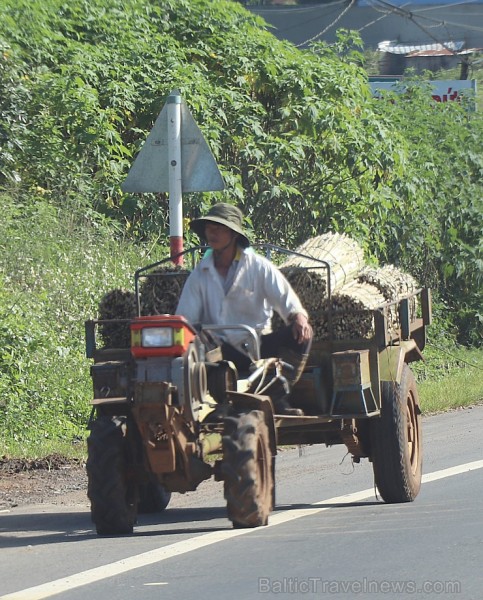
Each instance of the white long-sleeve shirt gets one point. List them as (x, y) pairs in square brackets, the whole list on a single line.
[(258, 289)]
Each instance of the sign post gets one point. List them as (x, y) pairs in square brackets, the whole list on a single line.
[(175, 158), (175, 187)]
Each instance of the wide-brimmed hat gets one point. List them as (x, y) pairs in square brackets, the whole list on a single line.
[(225, 214)]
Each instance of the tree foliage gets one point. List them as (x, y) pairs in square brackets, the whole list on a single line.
[(287, 128), (438, 232)]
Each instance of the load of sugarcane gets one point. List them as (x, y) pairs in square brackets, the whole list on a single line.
[(339, 291), (114, 305), (393, 284), (308, 269), (341, 305), (160, 290)]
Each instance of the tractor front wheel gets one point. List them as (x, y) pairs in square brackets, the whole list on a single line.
[(247, 469), (112, 493)]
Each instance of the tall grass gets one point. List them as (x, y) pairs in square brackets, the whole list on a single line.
[(55, 267), (452, 380)]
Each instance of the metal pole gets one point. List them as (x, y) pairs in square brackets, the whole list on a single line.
[(175, 189)]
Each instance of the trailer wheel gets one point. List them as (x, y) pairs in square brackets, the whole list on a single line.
[(153, 498), (112, 495), (396, 441), (247, 469)]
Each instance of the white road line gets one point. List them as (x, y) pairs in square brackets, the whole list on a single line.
[(121, 567), (435, 475)]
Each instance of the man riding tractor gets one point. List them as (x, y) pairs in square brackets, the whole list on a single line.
[(232, 285)]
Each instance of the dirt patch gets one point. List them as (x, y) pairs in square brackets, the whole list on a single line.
[(50, 480), (56, 480)]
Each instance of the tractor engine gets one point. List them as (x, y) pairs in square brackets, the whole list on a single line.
[(169, 389)]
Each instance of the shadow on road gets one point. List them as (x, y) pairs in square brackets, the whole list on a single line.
[(318, 506), (34, 529)]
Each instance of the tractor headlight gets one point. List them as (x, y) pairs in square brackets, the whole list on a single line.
[(157, 337), (160, 335)]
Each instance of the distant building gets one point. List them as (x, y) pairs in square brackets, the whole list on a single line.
[(397, 57)]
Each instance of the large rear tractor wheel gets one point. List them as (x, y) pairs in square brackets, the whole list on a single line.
[(247, 469), (112, 494), (396, 441)]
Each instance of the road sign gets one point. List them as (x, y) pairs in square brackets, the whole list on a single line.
[(150, 170), (175, 158)]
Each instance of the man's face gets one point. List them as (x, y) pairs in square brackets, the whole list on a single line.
[(219, 236)]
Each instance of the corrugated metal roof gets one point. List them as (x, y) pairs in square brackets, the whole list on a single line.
[(443, 52), (433, 49)]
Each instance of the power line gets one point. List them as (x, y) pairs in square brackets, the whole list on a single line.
[(295, 9), (298, 24), (373, 22), (412, 17), (453, 24), (400, 11), (328, 26), (385, 14), (412, 14), (385, 7), (428, 8)]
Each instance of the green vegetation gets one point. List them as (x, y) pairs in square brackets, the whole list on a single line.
[(55, 269), (450, 379), (301, 144)]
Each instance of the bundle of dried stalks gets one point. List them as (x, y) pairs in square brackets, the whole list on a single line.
[(356, 289), (116, 304), (309, 278), (395, 285), (351, 313), (161, 289), (391, 281)]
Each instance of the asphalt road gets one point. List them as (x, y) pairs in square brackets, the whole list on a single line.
[(330, 536)]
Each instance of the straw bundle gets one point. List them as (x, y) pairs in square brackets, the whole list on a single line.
[(309, 278), (356, 289), (395, 285), (161, 290), (116, 304), (351, 312)]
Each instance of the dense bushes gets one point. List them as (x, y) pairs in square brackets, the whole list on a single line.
[(437, 201), (289, 129)]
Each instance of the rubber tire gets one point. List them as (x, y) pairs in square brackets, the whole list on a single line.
[(396, 441), (153, 498), (113, 497), (247, 469)]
